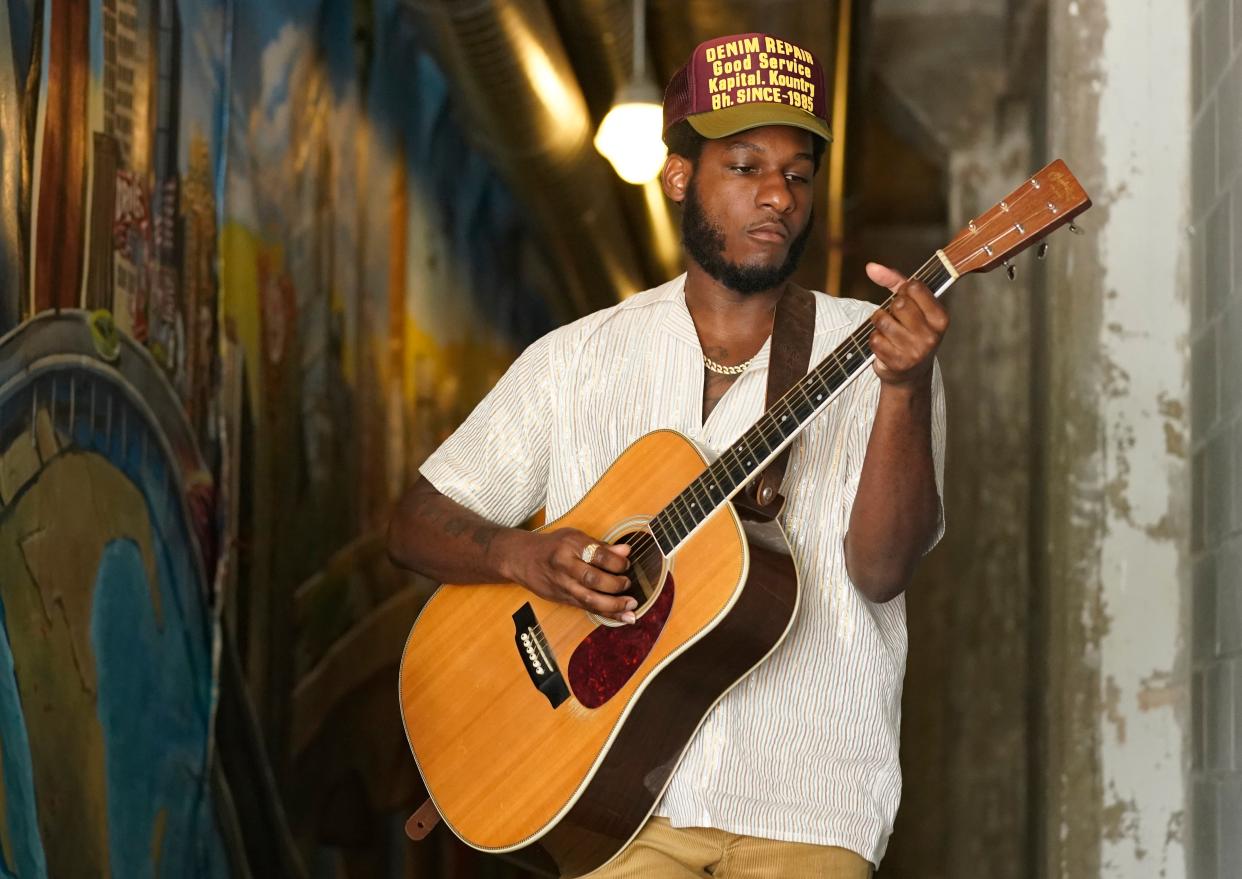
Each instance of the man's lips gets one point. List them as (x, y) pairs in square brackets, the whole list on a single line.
[(773, 232)]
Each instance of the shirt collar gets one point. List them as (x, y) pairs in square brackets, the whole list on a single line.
[(829, 316)]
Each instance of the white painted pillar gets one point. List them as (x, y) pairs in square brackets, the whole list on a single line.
[(1116, 475)]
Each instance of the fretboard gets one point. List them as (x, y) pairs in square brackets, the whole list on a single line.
[(777, 427)]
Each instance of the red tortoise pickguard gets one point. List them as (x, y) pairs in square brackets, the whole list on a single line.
[(610, 655)]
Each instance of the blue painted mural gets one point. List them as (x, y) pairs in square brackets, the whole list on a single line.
[(251, 273), (107, 638)]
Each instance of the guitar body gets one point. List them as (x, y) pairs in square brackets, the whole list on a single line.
[(542, 733)]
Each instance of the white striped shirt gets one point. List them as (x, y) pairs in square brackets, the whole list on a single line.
[(806, 748)]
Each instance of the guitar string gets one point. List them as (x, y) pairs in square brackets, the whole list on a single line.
[(862, 334), (765, 429), (927, 272), (641, 548)]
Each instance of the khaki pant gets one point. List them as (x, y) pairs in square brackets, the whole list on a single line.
[(661, 850)]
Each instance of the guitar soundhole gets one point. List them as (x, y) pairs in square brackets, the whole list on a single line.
[(646, 567)]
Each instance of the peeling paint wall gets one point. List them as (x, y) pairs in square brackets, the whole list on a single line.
[(1116, 513)]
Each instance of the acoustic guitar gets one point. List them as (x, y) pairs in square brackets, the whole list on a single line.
[(548, 734)]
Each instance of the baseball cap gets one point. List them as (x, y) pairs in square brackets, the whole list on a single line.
[(743, 81)]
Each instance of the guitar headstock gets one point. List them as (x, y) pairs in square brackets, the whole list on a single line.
[(1048, 200)]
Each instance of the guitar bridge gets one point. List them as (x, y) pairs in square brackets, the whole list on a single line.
[(537, 656)]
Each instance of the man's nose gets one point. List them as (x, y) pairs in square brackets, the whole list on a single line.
[(774, 193)]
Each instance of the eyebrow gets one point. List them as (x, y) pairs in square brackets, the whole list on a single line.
[(755, 148)]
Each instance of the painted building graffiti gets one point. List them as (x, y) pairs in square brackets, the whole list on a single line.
[(251, 273)]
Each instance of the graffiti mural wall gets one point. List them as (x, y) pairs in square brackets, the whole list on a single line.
[(251, 272)]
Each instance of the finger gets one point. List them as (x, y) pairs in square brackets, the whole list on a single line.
[(606, 556), (600, 581), (598, 602), (887, 357), (893, 327), (900, 356), (569, 553), (884, 276), (932, 309), (609, 558), (908, 313)]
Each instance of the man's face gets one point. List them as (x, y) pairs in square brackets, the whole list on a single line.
[(747, 211)]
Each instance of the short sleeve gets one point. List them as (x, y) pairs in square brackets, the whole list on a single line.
[(496, 462)]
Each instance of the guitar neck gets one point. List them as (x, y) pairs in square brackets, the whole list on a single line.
[(779, 425), (1052, 198)]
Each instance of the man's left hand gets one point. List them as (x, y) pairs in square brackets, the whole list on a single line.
[(905, 340)]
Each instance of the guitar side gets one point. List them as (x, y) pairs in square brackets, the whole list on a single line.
[(512, 772)]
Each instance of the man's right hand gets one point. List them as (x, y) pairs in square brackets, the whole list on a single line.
[(549, 564), (443, 540)]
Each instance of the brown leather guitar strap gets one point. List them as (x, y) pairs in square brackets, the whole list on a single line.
[(793, 331), (424, 818)]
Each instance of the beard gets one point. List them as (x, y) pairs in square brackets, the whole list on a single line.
[(705, 243)]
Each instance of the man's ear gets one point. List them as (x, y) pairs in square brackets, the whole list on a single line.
[(675, 178)]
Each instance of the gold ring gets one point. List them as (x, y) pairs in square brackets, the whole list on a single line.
[(588, 552)]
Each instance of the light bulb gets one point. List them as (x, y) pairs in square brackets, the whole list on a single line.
[(629, 136)]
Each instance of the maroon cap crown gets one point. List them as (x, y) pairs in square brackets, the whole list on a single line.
[(743, 81)]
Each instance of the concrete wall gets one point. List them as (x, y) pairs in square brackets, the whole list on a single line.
[(1216, 441), (1113, 509)]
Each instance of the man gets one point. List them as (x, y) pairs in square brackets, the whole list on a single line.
[(795, 771)]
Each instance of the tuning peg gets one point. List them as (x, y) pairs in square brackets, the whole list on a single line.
[(1042, 251), (1076, 229), (1010, 270)]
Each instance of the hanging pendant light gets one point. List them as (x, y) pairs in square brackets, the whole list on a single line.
[(630, 135)]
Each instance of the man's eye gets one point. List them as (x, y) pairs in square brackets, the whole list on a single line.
[(796, 178), (741, 169)]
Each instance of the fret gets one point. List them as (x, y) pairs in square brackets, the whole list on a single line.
[(777, 425), (855, 362), (728, 473), (858, 345), (801, 403), (736, 466), (668, 524), (700, 503), (853, 355), (678, 533), (832, 369), (769, 438), (686, 527), (757, 442), (711, 485), (713, 477), (656, 525), (788, 419), (752, 458)]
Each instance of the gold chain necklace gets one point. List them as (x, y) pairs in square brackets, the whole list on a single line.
[(721, 369)]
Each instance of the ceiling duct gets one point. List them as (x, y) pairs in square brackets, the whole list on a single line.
[(522, 103)]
